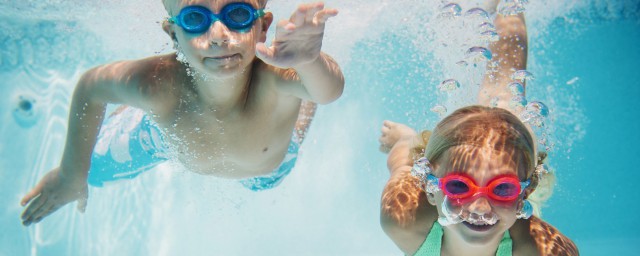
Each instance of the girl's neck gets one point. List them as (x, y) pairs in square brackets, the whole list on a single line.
[(455, 245)]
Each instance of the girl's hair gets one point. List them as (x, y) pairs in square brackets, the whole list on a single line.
[(497, 128)]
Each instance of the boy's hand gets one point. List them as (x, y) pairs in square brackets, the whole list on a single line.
[(52, 192), (299, 39)]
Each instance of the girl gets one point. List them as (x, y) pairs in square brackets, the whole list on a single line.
[(464, 189)]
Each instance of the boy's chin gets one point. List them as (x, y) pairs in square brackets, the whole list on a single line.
[(221, 73)]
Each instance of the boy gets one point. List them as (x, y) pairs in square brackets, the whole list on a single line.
[(223, 111)]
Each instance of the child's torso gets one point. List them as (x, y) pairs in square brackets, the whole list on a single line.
[(245, 142)]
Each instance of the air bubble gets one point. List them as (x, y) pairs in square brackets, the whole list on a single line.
[(490, 36), (535, 112), (517, 89), (484, 26), (538, 108), (573, 80), (448, 85), (478, 54), (439, 109), (522, 76), (462, 63), (512, 7), (451, 10), (478, 12)]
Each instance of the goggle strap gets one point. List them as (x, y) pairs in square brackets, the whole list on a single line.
[(524, 185), (260, 13)]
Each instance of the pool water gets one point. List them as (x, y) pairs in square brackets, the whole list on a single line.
[(583, 54)]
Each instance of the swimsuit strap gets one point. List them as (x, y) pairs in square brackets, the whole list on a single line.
[(433, 243), (506, 245)]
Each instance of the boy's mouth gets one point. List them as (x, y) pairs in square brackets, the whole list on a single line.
[(223, 59)]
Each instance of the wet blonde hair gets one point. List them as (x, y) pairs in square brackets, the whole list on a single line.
[(170, 5), (494, 127)]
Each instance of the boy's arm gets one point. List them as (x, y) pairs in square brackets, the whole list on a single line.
[(297, 45), (510, 55), (113, 83), (117, 83)]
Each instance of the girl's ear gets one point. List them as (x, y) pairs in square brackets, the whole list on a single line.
[(431, 198), (267, 19)]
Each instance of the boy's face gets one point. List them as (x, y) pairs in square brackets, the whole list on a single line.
[(219, 51)]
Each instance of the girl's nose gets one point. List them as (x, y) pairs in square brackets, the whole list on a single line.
[(480, 206)]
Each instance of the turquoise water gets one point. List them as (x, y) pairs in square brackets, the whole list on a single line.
[(584, 56)]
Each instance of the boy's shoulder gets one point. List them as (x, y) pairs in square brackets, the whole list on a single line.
[(143, 83), (549, 240), (156, 69), (147, 71), (279, 74)]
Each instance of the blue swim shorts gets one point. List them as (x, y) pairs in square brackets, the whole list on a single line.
[(130, 143)]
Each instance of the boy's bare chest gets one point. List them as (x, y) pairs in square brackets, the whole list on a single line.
[(236, 146)]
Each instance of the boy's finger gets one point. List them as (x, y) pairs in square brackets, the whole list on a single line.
[(299, 15), (283, 28), (324, 15), (31, 194), (311, 13), (33, 207), (264, 53), (29, 217), (44, 212)]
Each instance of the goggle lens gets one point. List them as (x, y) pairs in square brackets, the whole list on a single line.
[(460, 187), (194, 21), (456, 187), (236, 16), (505, 190)]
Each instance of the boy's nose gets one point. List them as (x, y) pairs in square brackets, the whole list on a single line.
[(218, 34), (480, 206)]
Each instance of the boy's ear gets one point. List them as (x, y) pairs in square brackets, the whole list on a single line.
[(166, 26), (267, 19)]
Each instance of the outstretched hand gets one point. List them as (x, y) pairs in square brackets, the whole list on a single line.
[(299, 39), (52, 192)]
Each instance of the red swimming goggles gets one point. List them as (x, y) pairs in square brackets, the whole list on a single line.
[(504, 188)]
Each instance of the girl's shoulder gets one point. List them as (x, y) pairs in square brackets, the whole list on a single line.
[(549, 240)]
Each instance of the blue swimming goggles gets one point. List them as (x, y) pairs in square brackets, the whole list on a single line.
[(236, 16)]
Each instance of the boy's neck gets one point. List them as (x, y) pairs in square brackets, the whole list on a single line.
[(224, 95)]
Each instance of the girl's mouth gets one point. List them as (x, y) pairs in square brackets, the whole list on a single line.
[(478, 226)]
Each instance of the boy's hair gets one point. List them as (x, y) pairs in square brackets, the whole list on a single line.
[(169, 5), (484, 126)]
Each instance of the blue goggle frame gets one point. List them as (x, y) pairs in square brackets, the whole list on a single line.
[(185, 18)]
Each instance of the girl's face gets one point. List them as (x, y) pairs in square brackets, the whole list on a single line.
[(482, 165), (219, 51)]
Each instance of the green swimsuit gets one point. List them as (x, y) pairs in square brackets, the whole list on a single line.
[(433, 244)]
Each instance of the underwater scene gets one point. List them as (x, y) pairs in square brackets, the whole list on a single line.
[(409, 61)]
